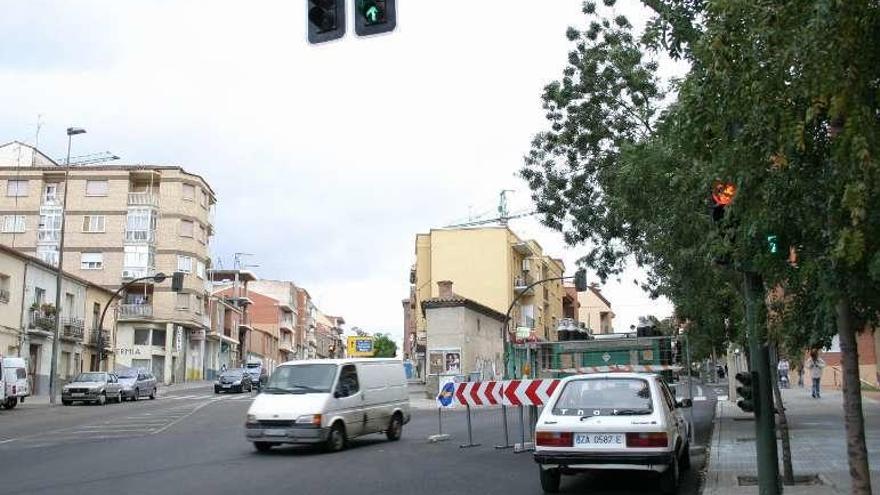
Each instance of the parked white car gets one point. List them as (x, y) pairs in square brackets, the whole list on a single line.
[(328, 402), (16, 378), (621, 421)]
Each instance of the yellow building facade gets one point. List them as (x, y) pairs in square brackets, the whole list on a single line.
[(489, 265)]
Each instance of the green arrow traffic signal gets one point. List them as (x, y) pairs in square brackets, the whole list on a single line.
[(374, 16)]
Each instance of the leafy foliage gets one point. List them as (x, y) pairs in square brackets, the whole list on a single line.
[(384, 346)]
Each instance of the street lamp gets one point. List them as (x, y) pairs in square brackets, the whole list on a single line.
[(53, 366), (157, 278)]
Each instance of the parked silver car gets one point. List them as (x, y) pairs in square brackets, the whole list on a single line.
[(98, 387), (137, 383)]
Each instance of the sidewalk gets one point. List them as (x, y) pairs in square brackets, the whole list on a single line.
[(818, 444), (43, 400)]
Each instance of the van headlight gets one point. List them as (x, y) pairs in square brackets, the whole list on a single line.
[(251, 419), (310, 419)]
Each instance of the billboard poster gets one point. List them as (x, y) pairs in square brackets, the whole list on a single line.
[(444, 361), (360, 346)]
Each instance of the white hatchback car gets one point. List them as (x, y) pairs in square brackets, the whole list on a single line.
[(623, 421)]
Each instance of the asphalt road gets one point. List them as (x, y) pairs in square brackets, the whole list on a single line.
[(192, 442)]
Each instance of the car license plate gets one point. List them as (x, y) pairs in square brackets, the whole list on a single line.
[(77, 394), (227, 386), (275, 433), (599, 440)]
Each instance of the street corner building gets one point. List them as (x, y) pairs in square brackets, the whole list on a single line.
[(121, 223)]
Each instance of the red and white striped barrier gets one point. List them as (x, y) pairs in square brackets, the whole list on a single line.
[(616, 368), (508, 393)]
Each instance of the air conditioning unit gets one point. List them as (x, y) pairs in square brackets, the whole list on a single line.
[(526, 265)]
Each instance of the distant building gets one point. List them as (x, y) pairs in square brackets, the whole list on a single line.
[(595, 311), (278, 313)]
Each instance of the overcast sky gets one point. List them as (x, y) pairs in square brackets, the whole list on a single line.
[(326, 160)]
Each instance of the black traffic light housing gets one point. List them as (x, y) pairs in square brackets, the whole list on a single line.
[(177, 281), (580, 280), (374, 16), (326, 20), (747, 391)]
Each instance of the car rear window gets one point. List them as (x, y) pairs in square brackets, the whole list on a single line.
[(20, 373), (604, 397)]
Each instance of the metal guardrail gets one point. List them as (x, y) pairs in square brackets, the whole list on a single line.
[(143, 199), (72, 328), (135, 310), (140, 236), (41, 321)]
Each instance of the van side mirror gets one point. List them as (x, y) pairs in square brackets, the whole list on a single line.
[(337, 394)]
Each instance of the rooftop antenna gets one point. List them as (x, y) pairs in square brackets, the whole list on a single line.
[(37, 133), (237, 261), (504, 214), (100, 157)]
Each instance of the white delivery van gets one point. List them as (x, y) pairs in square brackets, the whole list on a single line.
[(328, 402), (16, 378)]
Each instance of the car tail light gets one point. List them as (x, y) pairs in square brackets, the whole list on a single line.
[(553, 438), (647, 439)]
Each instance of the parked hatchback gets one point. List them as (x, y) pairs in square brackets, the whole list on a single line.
[(16, 378), (97, 387), (137, 384), (620, 421)]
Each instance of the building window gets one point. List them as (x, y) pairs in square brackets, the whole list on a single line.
[(93, 223), (158, 338), (182, 301), (198, 305), (4, 288), (92, 261), (200, 269), (186, 228), (189, 192), (204, 199), (50, 194), (96, 188), (39, 295), (138, 257), (184, 264), (201, 234), (16, 188), (48, 254), (13, 224), (141, 337)]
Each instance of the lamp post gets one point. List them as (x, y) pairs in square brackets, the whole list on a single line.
[(53, 366), (157, 278)]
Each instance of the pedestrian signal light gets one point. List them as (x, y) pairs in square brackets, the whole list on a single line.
[(748, 382), (326, 20), (374, 16)]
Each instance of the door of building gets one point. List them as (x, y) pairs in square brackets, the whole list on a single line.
[(34, 368), (159, 368)]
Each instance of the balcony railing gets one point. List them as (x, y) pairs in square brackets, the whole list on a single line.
[(48, 235), (143, 199), (100, 337), (132, 272), (72, 328), (4, 295), (136, 310), (522, 283), (140, 236), (42, 321)]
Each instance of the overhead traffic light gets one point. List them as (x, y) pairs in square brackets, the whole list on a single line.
[(374, 16), (747, 391), (326, 20), (177, 281), (580, 280)]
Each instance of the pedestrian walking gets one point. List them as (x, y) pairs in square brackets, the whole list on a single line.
[(782, 368), (815, 365), (223, 368)]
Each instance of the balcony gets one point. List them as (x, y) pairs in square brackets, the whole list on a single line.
[(135, 311), (100, 338), (52, 236), (40, 320), (286, 346), (4, 295), (133, 272), (140, 236), (143, 198), (72, 328), (521, 284)]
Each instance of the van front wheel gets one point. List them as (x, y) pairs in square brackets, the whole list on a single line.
[(336, 438), (395, 428)]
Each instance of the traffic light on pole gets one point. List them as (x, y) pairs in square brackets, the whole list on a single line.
[(177, 281), (580, 280), (326, 20), (747, 391), (374, 16)]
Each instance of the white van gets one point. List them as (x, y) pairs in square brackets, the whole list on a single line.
[(16, 378), (328, 402)]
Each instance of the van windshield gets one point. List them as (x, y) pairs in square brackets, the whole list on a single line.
[(302, 379)]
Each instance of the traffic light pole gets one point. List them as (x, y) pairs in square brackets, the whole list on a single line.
[(765, 421)]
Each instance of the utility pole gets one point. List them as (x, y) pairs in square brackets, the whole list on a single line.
[(53, 366), (765, 420)]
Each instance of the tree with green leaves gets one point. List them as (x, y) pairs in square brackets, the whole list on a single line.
[(781, 100), (384, 346)]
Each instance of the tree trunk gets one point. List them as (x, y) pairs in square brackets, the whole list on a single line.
[(787, 471), (852, 400)]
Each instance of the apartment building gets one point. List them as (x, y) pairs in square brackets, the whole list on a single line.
[(490, 266), (28, 319), (124, 222), (278, 313), (328, 336), (306, 326), (230, 337), (595, 311)]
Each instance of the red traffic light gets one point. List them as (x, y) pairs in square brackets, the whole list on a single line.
[(723, 192)]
